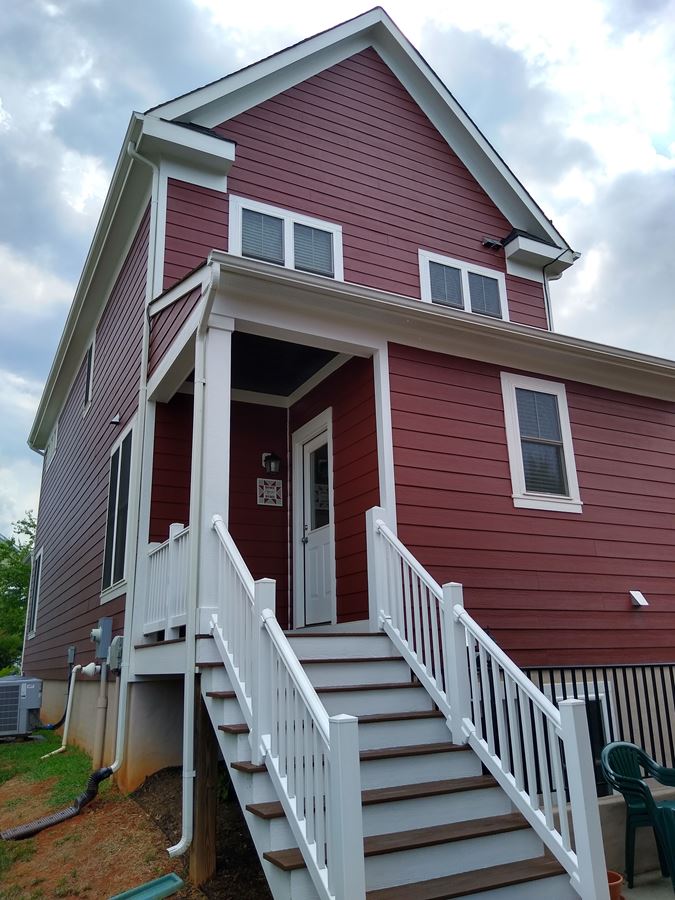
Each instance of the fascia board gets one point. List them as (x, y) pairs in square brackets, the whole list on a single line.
[(433, 327), (197, 103), (164, 139), (72, 343)]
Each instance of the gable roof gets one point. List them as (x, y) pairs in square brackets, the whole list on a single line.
[(227, 97)]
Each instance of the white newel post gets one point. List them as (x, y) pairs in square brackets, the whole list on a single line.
[(456, 661), (585, 813), (174, 574), (264, 600), (345, 850), (377, 569)]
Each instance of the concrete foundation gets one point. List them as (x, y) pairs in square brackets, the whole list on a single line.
[(155, 724), (613, 820)]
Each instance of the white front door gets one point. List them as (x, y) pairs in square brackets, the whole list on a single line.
[(313, 532)]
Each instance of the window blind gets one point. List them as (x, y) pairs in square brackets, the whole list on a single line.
[(262, 236), (313, 249), (484, 295), (446, 285), (541, 442)]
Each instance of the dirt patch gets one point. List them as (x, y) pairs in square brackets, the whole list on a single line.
[(23, 800), (239, 875)]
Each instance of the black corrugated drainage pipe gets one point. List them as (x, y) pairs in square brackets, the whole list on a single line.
[(78, 804)]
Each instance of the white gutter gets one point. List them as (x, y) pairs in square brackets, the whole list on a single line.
[(193, 584), (137, 453)]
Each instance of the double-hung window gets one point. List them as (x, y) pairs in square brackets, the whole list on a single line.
[(539, 438), (289, 239), (114, 558), (34, 594), (461, 285)]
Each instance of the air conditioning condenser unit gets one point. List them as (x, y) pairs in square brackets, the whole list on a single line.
[(20, 702)]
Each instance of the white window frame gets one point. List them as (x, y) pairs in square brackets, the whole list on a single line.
[(521, 496), (50, 449), (466, 268), (89, 393), (34, 598), (117, 588), (239, 204)]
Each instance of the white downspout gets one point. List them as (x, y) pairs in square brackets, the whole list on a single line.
[(193, 586), (123, 689)]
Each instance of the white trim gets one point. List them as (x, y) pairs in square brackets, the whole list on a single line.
[(289, 218), (331, 366), (117, 588), (89, 374), (465, 268), (179, 290), (34, 600), (259, 399), (385, 438), (52, 444), (321, 423), (521, 496)]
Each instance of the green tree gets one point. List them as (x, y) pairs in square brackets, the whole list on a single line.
[(15, 559)]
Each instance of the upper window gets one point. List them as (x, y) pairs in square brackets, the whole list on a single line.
[(286, 238), (34, 594), (461, 285), (114, 558), (543, 472), (88, 376)]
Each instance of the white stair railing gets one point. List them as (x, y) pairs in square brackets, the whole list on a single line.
[(167, 581), (536, 752), (312, 758)]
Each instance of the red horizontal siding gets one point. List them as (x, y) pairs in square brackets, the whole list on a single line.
[(74, 494), (172, 459), (350, 392), (550, 587), (196, 224), (166, 324), (351, 146)]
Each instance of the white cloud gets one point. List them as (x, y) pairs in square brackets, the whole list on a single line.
[(19, 491), (28, 290)]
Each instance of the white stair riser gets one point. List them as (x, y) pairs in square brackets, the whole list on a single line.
[(558, 888), (449, 859), (289, 885), (361, 703), (207, 652), (402, 733), (272, 834), (440, 810), (215, 680), (415, 769), (342, 646), (371, 672)]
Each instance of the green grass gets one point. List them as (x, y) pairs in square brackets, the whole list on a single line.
[(15, 851), (71, 769)]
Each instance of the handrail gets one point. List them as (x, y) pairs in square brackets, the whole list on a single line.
[(537, 752), (298, 674), (233, 551)]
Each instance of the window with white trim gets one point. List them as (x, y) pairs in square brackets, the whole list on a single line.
[(88, 376), (34, 594), (260, 231), (50, 449), (462, 285), (114, 557), (539, 438)]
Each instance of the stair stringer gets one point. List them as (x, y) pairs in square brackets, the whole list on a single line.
[(253, 788)]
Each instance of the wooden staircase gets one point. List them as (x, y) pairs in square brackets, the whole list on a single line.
[(435, 825)]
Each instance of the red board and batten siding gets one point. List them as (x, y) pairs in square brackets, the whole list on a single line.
[(74, 495), (351, 146), (350, 392), (552, 588)]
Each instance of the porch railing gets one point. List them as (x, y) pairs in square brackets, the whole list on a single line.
[(167, 582), (526, 743), (311, 757)]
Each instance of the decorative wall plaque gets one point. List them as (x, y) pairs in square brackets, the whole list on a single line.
[(270, 492)]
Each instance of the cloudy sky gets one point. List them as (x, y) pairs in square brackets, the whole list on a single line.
[(579, 98)]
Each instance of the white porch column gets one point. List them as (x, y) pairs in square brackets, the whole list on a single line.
[(215, 470)]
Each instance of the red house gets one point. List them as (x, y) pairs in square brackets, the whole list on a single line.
[(312, 346)]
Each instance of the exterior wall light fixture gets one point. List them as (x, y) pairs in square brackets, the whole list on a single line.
[(271, 463), (638, 598)]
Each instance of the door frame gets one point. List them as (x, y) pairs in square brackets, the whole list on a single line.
[(321, 423)]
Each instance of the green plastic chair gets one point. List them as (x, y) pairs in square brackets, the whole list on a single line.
[(625, 767)]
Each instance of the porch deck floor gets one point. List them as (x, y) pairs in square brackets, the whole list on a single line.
[(650, 886)]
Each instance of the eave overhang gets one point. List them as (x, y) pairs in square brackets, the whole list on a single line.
[(160, 139), (441, 329)]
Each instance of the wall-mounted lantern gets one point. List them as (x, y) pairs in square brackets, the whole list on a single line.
[(271, 463)]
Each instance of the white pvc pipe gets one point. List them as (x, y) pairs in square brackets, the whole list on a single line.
[(90, 669)]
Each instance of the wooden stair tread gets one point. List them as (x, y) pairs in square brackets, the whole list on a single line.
[(222, 695), (245, 765), (411, 750), (374, 718), (336, 634), (238, 728), (315, 660), (210, 665), (386, 686), (379, 844), (454, 886), (179, 640), (274, 810)]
